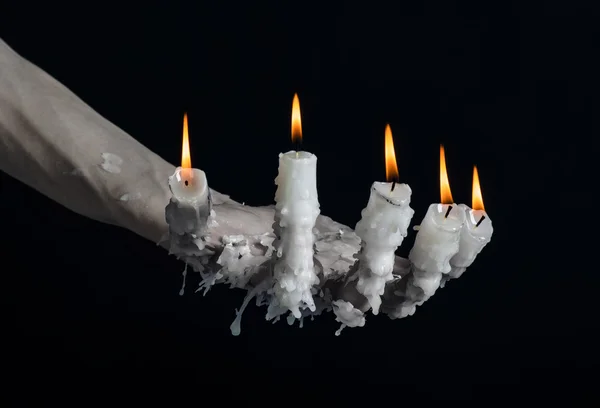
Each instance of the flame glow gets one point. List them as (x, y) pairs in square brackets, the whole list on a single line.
[(477, 198), (296, 121), (445, 193), (186, 160), (391, 167)]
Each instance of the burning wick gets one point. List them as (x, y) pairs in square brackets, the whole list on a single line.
[(391, 168), (296, 125), (480, 221), (186, 160), (448, 212)]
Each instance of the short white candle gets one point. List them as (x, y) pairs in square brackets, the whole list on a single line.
[(476, 232), (189, 208), (296, 211), (382, 229), (189, 201), (437, 240), (436, 243)]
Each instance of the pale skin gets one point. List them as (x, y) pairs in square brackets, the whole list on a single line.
[(54, 142)]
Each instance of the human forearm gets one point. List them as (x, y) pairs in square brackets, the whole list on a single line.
[(54, 142)]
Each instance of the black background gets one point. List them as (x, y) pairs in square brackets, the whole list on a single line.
[(507, 88)]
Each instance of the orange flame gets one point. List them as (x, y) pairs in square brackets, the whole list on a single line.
[(445, 193), (186, 160), (296, 121), (477, 197), (391, 168)]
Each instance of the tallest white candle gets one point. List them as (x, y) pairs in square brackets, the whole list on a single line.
[(296, 211)]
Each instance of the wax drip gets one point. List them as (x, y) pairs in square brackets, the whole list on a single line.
[(184, 273), (236, 327)]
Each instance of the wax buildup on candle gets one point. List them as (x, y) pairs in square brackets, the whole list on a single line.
[(475, 235), (382, 229), (188, 210), (296, 211), (476, 232), (438, 238), (435, 244)]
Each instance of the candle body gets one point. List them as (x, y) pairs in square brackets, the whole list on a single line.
[(438, 238), (296, 211), (436, 243), (189, 208), (473, 239), (381, 229)]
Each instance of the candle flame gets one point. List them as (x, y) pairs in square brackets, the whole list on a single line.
[(391, 168), (296, 121), (186, 160), (477, 198), (445, 193)]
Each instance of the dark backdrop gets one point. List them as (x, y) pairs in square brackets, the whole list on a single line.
[(506, 88)]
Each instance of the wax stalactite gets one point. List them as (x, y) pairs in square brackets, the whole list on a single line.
[(296, 211), (382, 229), (435, 244), (476, 233), (189, 208)]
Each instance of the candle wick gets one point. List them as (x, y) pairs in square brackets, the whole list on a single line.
[(186, 183), (448, 212), (480, 221), (393, 186), (297, 147)]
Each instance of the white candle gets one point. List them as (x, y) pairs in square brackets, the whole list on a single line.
[(476, 232), (382, 229), (296, 211), (437, 241), (435, 244), (189, 208)]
